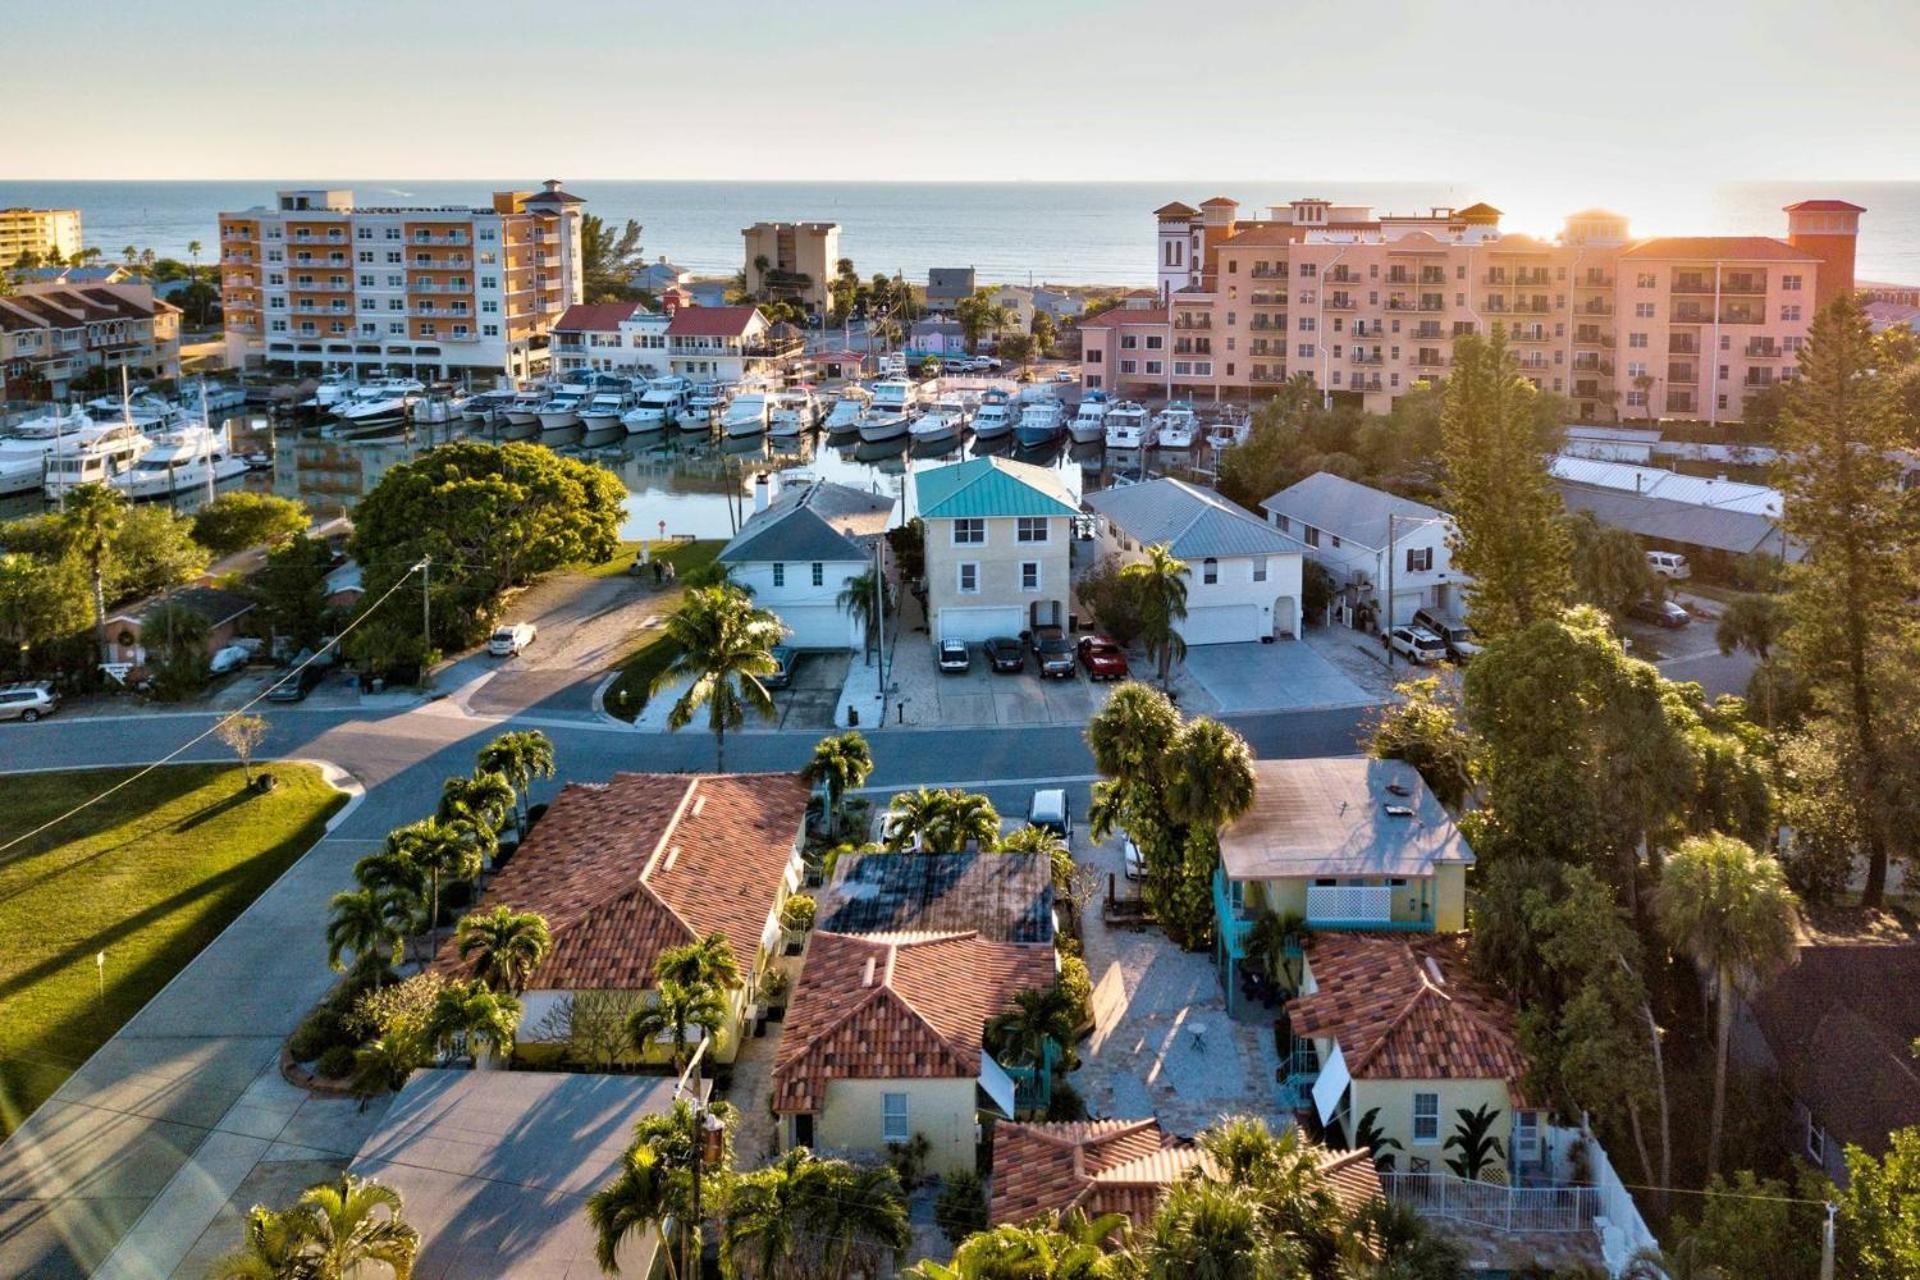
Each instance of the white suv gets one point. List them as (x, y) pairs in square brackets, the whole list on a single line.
[(1669, 564), (1418, 645), (28, 701), (511, 638)]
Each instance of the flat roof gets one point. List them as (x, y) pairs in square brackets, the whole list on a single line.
[(1331, 817)]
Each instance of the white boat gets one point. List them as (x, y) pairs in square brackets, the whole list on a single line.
[(603, 416), (143, 411), (847, 411), (1040, 423), (185, 459), (1127, 426), (794, 412), (895, 395), (1229, 432), (665, 402), (995, 416), (560, 415), (940, 423), (377, 408), (747, 415), (333, 388), (880, 425), (523, 414), (958, 406), (706, 400), (1089, 420), (221, 397), (1175, 426), (24, 451), (485, 406), (99, 459), (439, 409)]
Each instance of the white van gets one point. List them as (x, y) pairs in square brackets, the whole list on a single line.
[(1669, 564), (509, 639)]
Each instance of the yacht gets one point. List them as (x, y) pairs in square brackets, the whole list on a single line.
[(560, 415), (943, 422), (1175, 426), (221, 397), (333, 388), (485, 406), (1040, 423), (747, 415), (1090, 420), (603, 418), (957, 405), (376, 408), (184, 459), (795, 412), (99, 459), (142, 411), (884, 424), (522, 414), (1127, 426), (895, 395), (1229, 432), (849, 409), (706, 400), (665, 403), (24, 451), (439, 408), (995, 416)]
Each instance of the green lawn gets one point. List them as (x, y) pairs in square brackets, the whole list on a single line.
[(629, 693), (684, 555), (148, 876)]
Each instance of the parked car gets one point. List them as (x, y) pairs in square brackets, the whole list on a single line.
[(231, 658), (1053, 652), (1458, 636), (955, 364), (1065, 375), (983, 364), (510, 638), (297, 685), (1136, 864), (1051, 811), (783, 658), (1661, 613), (954, 659), (1669, 564), (1006, 654), (28, 700), (1103, 659), (1418, 645)]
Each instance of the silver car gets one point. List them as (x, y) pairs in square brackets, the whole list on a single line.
[(28, 701)]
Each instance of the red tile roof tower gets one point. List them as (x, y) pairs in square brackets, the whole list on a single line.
[(1827, 229)]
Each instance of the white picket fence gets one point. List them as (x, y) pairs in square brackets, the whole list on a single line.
[(1530, 1210)]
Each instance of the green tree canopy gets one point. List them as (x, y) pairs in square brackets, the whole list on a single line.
[(241, 519)]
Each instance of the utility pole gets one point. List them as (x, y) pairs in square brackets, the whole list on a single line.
[(1386, 632), (426, 605)]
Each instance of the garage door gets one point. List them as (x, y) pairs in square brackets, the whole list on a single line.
[(981, 622), (816, 626), (1221, 624)]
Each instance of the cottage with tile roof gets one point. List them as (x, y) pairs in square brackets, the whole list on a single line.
[(1244, 576), (997, 547), (1391, 1031), (1353, 530), (625, 869), (882, 1041), (804, 545), (1123, 1166), (1004, 897)]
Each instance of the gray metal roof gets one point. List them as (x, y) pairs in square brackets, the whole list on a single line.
[(1682, 523), (1005, 897), (1195, 523), (1351, 511), (819, 520), (1328, 817)]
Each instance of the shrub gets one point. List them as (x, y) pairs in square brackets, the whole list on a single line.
[(797, 913), (1077, 983), (322, 1030), (961, 1208), (1111, 601), (909, 1159), (336, 1063), (399, 1009), (1066, 1105)]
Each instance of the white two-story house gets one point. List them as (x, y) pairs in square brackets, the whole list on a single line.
[(801, 548), (1349, 527), (1244, 576), (998, 554)]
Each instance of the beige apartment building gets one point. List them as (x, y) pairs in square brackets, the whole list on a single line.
[(39, 232), (318, 282), (1368, 306), (54, 335), (810, 249)]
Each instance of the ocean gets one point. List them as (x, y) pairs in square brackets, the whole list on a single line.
[(1068, 233)]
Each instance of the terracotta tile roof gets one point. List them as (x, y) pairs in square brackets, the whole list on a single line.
[(1404, 1008), (595, 317), (711, 322), (1121, 1166), (1175, 210), (1730, 248), (625, 869), (881, 1009), (1126, 316), (1824, 206), (1266, 235), (1219, 200)]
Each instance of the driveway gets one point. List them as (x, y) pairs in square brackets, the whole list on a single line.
[(979, 698), (1287, 675)]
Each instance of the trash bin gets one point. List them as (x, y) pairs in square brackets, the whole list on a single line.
[(377, 684), (853, 717)]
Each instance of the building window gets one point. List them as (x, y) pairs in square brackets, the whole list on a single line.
[(1154, 366), (779, 575), (1031, 529), (1816, 1142), (1790, 284), (1636, 340), (969, 578), (971, 532), (1259, 568), (893, 1118), (1283, 523), (1129, 342), (1426, 1117), (1419, 559), (1305, 351), (819, 574), (1128, 366), (1790, 312), (1210, 571), (1029, 575), (1643, 310), (1645, 280), (1311, 534), (1154, 343)]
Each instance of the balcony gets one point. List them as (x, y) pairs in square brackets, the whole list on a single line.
[(1267, 299), (452, 237), (1530, 279), (1594, 307), (1192, 347), (1432, 275), (1364, 357), (1592, 338), (1267, 270), (1680, 403), (1727, 285), (1400, 275), (1763, 349), (1426, 360), (1683, 345), (1594, 280), (1430, 303), (1340, 275), (452, 262), (1193, 322), (236, 260), (1587, 364), (1262, 374), (1340, 302), (1684, 374), (1366, 384), (428, 286), (1535, 334), (1261, 324)]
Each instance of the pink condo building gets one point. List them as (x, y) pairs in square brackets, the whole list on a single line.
[(1369, 304)]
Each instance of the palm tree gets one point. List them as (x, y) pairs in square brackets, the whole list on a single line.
[(858, 599), (486, 800), (92, 520), (467, 1017), (1054, 1247), (1213, 781), (441, 850), (942, 821), (1132, 736), (504, 946), (862, 1225), (707, 962), (355, 1225), (677, 1010), (839, 763), (131, 254), (1754, 623), (723, 645), (642, 1196), (1730, 910), (1039, 1018), (519, 757), (1159, 584), (369, 923), (193, 252), (806, 1217), (275, 1249), (393, 871), (1208, 1230)]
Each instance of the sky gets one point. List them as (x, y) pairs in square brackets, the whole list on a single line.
[(1575, 94)]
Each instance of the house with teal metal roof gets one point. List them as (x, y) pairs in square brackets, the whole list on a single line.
[(998, 555)]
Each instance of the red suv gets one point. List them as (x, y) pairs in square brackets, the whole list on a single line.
[(1103, 659)]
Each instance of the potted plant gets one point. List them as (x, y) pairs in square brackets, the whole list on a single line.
[(796, 920)]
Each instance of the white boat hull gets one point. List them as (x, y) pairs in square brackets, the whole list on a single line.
[(523, 417), (884, 427), (933, 430), (644, 422), (595, 432), (558, 419), (1086, 432), (555, 437), (190, 478), (989, 429), (742, 428)]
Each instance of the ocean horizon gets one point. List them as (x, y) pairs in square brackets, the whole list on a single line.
[(1082, 233)]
